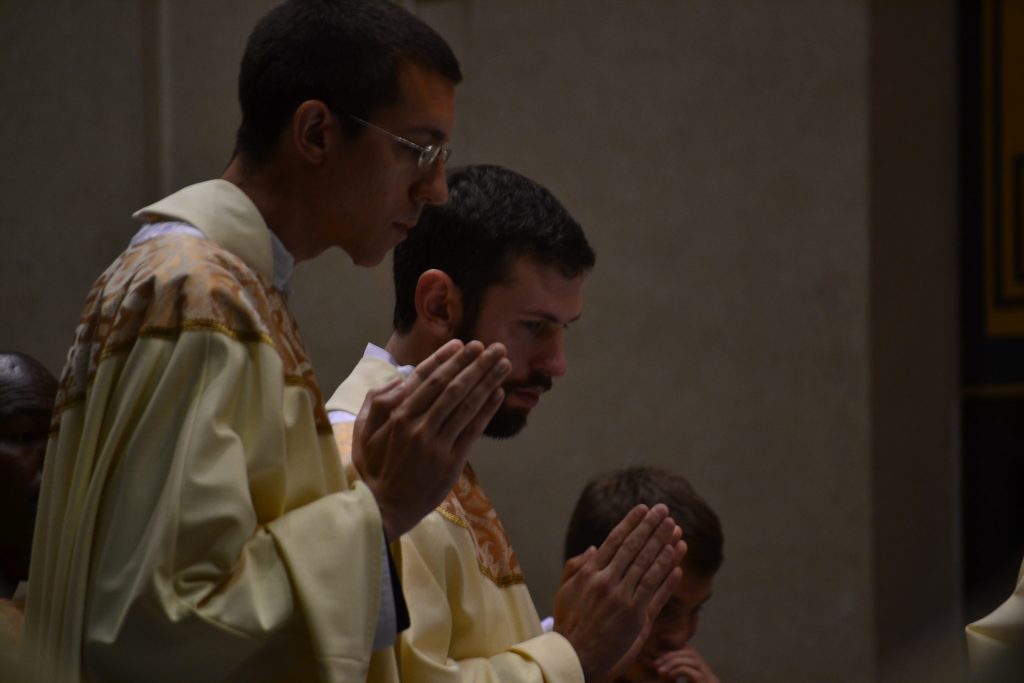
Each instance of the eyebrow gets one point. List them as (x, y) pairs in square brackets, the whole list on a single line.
[(435, 134), (552, 318)]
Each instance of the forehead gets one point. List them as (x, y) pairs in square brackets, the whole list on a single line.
[(425, 106), (23, 388), (530, 286)]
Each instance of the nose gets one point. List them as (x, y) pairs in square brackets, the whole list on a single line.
[(432, 188), (551, 357)]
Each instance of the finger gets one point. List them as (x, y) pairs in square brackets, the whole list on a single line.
[(468, 419), (454, 458), (476, 427), (673, 672), (434, 361), (670, 661), (447, 385), (574, 564), (658, 583), (432, 375), (638, 538), (373, 414), (378, 404), (685, 652), (468, 393), (621, 531), (693, 673), (664, 536), (681, 549)]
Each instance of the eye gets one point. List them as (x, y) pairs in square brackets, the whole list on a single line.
[(22, 431), (670, 611), (27, 438)]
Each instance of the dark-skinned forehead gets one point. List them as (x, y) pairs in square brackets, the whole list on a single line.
[(26, 386)]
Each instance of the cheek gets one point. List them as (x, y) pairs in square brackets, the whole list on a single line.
[(521, 351), (520, 371)]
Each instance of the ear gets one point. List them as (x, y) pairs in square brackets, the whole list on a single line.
[(438, 304), (313, 130)]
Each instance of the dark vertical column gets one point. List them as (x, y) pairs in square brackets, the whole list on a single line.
[(992, 302)]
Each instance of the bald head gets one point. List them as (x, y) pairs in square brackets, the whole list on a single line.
[(25, 383), (27, 391)]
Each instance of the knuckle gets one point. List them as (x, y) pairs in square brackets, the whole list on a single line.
[(400, 418), (434, 383), (376, 401), (418, 436), (602, 585), (456, 388)]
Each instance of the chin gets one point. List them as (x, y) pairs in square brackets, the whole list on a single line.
[(366, 260)]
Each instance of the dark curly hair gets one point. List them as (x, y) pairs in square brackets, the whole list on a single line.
[(492, 217), (344, 53), (607, 499)]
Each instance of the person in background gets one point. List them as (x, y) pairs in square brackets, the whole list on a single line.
[(668, 654), (27, 391)]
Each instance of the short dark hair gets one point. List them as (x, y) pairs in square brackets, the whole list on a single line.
[(607, 499), (344, 53), (492, 217)]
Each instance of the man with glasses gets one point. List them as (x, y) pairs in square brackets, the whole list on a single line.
[(195, 523)]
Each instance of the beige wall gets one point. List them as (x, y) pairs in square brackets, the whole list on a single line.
[(770, 187)]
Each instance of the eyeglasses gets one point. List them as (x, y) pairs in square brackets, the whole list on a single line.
[(426, 156)]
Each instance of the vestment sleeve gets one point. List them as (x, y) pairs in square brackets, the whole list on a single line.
[(995, 643), (223, 544), (440, 589)]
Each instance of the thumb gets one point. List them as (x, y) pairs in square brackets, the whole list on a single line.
[(390, 396), (574, 564)]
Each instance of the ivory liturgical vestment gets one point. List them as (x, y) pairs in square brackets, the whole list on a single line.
[(995, 642), (472, 617), (195, 523)]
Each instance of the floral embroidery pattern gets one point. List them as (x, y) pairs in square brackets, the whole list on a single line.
[(469, 507), (171, 284)]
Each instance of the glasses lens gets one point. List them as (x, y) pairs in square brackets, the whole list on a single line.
[(428, 155), (431, 153)]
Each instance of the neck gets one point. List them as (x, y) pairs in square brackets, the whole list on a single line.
[(411, 348), (273, 190)]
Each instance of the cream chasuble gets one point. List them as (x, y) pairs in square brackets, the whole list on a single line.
[(472, 617), (194, 523), (995, 643)]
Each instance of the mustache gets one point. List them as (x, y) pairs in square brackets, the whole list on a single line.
[(537, 379)]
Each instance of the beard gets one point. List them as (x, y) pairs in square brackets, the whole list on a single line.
[(508, 421)]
